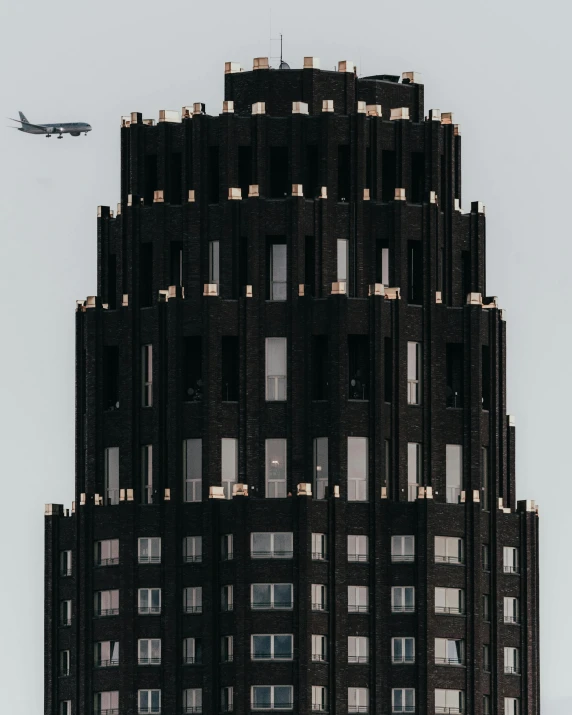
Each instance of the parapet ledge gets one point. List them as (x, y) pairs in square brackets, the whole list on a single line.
[(527, 505), (53, 509), (304, 489), (169, 115), (392, 293), (477, 207), (505, 510), (376, 289), (240, 490), (490, 301), (511, 420), (399, 113), (216, 492), (232, 67), (411, 78), (171, 293)]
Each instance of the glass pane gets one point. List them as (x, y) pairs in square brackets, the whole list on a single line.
[(229, 459), (261, 594), (279, 262), (261, 544), (261, 646), (261, 696), (283, 544), (342, 260), (282, 595), (282, 646), (282, 696)]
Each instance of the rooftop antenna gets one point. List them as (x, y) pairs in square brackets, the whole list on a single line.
[(283, 65)]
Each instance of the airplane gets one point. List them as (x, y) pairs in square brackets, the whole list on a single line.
[(73, 128)]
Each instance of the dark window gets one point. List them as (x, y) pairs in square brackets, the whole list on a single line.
[(388, 371), (344, 172), (111, 377), (230, 368), (150, 178), (310, 265), (454, 390), (466, 276), (311, 172), (112, 281), (388, 175), (414, 271), (146, 274), (441, 272), (417, 177), (176, 179), (443, 195), (279, 171), (176, 264), (320, 367), (368, 178), (244, 169), (358, 352), (486, 377), (193, 370), (213, 175), (243, 263)]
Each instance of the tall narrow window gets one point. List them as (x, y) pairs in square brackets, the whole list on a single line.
[(227, 547), (214, 262), (310, 265), (485, 486), (443, 195), (382, 263), (417, 177), (388, 175), (454, 389), (511, 609), (213, 175), (275, 468), (413, 469), (368, 181), (358, 649), (146, 274), (243, 262), (276, 369), (512, 661), (358, 363), (112, 281), (415, 271), (227, 598), (149, 550), (149, 702), (454, 472), (319, 698), (111, 377), (413, 373), (192, 651), (227, 649), (320, 486), (344, 172), (319, 597), (193, 369), (319, 547), (176, 263), (65, 612), (146, 375), (512, 706), (149, 601), (277, 270), (320, 367), (319, 648), (244, 169), (387, 463), (193, 469), (150, 178), (229, 465), (230, 368), (403, 650), (66, 563), (279, 172), (112, 475), (175, 178), (106, 702), (227, 699), (342, 262), (192, 549), (388, 369), (403, 700), (64, 664), (147, 474), (487, 658), (357, 468), (358, 700), (311, 172), (486, 377), (193, 599), (510, 559), (149, 651)]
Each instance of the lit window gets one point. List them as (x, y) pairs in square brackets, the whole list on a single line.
[(358, 547), (385, 266), (272, 697), (449, 651), (319, 648), (106, 603), (149, 550), (226, 598), (192, 549), (319, 698), (64, 662), (342, 267), (449, 600), (193, 599), (511, 610), (107, 552), (227, 699), (357, 468), (271, 545), (106, 702), (147, 474), (319, 597), (65, 563), (106, 654), (448, 550), (402, 548), (276, 369), (512, 660), (193, 469), (229, 465), (272, 647), (320, 467), (358, 700), (275, 468), (112, 475), (193, 700), (146, 375), (413, 469), (449, 701), (358, 649), (278, 271), (150, 651), (510, 559), (319, 547), (403, 599), (454, 472), (358, 599), (214, 262), (403, 700), (149, 702), (149, 601), (512, 706), (227, 649), (192, 651), (413, 373), (403, 650), (266, 596), (227, 547)]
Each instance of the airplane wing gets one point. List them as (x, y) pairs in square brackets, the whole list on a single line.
[(29, 124)]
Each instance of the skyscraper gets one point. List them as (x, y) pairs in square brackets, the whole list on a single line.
[(295, 474)]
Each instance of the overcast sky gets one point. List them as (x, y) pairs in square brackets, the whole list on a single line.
[(503, 68)]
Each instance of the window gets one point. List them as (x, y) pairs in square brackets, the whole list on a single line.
[(358, 548), (487, 658), (265, 596), (510, 559), (449, 600), (512, 706), (511, 610), (417, 177), (320, 367), (149, 701), (403, 650), (358, 649), (387, 369), (271, 545), (276, 369), (226, 598), (227, 699), (449, 701), (111, 376), (319, 547), (454, 370), (486, 557), (344, 172), (176, 263), (449, 651), (319, 698), (106, 703), (112, 475), (64, 663), (279, 172), (320, 486), (230, 358), (358, 599), (357, 468), (107, 552), (106, 654), (413, 373), (358, 366), (227, 649), (403, 700), (487, 705), (448, 550), (65, 707), (193, 700), (146, 375), (229, 465), (275, 468), (413, 469), (486, 607), (415, 272), (150, 651), (512, 660), (382, 262), (320, 648), (192, 369), (147, 474), (485, 487), (403, 599), (106, 603), (272, 697), (319, 597), (358, 700), (192, 651), (214, 262), (454, 472), (193, 599), (402, 548), (342, 264), (65, 563), (272, 647), (193, 469), (227, 547), (150, 550), (192, 549), (149, 601), (278, 271)]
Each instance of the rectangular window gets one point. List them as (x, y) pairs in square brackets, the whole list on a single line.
[(448, 550), (65, 563), (320, 367), (319, 698), (192, 651), (111, 457), (271, 545), (271, 596), (413, 373), (403, 650), (387, 369), (275, 468), (244, 169), (358, 700), (64, 663), (358, 364), (146, 375), (272, 647), (402, 548), (454, 472), (106, 654), (512, 706), (403, 599), (65, 707), (320, 486), (107, 552), (176, 263), (357, 468), (449, 651), (358, 649), (486, 557), (193, 700), (192, 369), (319, 597), (388, 175), (511, 610), (319, 547), (149, 601), (486, 378), (106, 703), (487, 658), (449, 600), (280, 186), (486, 607), (149, 550), (227, 547), (230, 368), (146, 274), (277, 270), (276, 349), (344, 172), (227, 699), (417, 177), (413, 469), (193, 599), (512, 660), (415, 272), (342, 270), (229, 465), (319, 648), (149, 651), (272, 697), (449, 701), (214, 262), (358, 599), (310, 265), (487, 705), (510, 559), (227, 649), (382, 262), (110, 377), (358, 548), (147, 474), (403, 700), (213, 175), (192, 549), (454, 368), (193, 469), (485, 486), (227, 598), (149, 702), (106, 603)]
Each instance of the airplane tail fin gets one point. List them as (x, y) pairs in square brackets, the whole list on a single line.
[(23, 118)]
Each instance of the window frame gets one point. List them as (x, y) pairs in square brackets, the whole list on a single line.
[(193, 484), (319, 547), (403, 591), (272, 553), (403, 658), (278, 487), (192, 554), (448, 594), (197, 599), (358, 644), (320, 465), (147, 375), (149, 610), (271, 606), (398, 548), (272, 705), (319, 597), (358, 472), (228, 464), (272, 654), (414, 369), (276, 385), (359, 557), (149, 709), (402, 694), (355, 594), (148, 659), (150, 559), (445, 558)]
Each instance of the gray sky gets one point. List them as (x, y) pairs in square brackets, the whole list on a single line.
[(501, 66)]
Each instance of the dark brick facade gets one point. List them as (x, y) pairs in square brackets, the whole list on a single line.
[(451, 308)]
